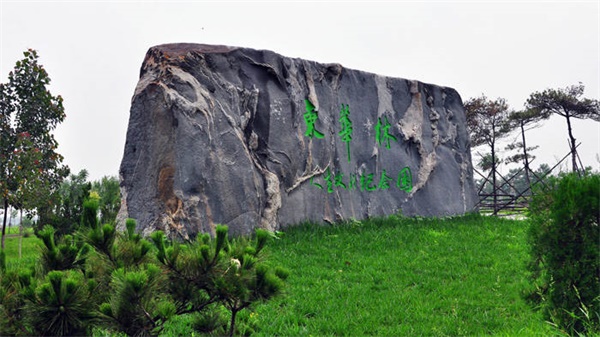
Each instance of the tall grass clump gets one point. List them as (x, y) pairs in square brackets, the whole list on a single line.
[(565, 261)]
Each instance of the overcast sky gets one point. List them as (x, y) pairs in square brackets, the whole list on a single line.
[(93, 52)]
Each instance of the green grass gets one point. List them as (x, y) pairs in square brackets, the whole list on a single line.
[(392, 277), (401, 277), (29, 249)]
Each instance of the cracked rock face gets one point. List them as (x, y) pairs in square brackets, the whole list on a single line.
[(249, 138)]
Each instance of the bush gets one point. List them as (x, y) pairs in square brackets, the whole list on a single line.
[(61, 253), (59, 305), (210, 271), (565, 265), (104, 281)]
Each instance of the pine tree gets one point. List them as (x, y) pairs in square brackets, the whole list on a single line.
[(487, 122), (208, 271), (522, 120), (568, 104)]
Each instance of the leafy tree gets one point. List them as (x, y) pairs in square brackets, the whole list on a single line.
[(110, 198), (28, 115), (67, 208), (487, 122), (568, 104), (28, 191)]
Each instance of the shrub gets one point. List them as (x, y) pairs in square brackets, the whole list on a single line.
[(218, 271), (12, 301), (59, 305), (123, 283), (133, 306), (565, 265), (61, 253)]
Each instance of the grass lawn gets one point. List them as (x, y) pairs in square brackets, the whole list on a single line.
[(403, 277), (391, 277), (29, 249)]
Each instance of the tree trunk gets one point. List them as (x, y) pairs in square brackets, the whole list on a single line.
[(494, 183), (20, 232), (572, 139), (234, 312), (525, 156), (4, 222)]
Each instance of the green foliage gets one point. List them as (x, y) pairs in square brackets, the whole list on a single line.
[(208, 271), (89, 217), (564, 265), (486, 162), (30, 169), (487, 120), (110, 198), (566, 103), (101, 238), (132, 249), (124, 283), (384, 277), (66, 209), (113, 251), (14, 280), (12, 301), (2, 260), (66, 253), (133, 306), (59, 305)]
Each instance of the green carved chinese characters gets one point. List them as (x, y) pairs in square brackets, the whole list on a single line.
[(310, 118), (382, 133), (346, 124), (365, 181)]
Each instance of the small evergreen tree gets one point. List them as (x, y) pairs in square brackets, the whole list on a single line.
[(209, 271), (134, 306), (67, 253), (564, 266), (59, 305), (101, 277)]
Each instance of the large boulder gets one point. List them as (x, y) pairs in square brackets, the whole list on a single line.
[(249, 138)]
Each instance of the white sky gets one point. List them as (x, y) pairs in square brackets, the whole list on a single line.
[(93, 52)]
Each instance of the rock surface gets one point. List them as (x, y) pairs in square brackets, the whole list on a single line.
[(249, 138)]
